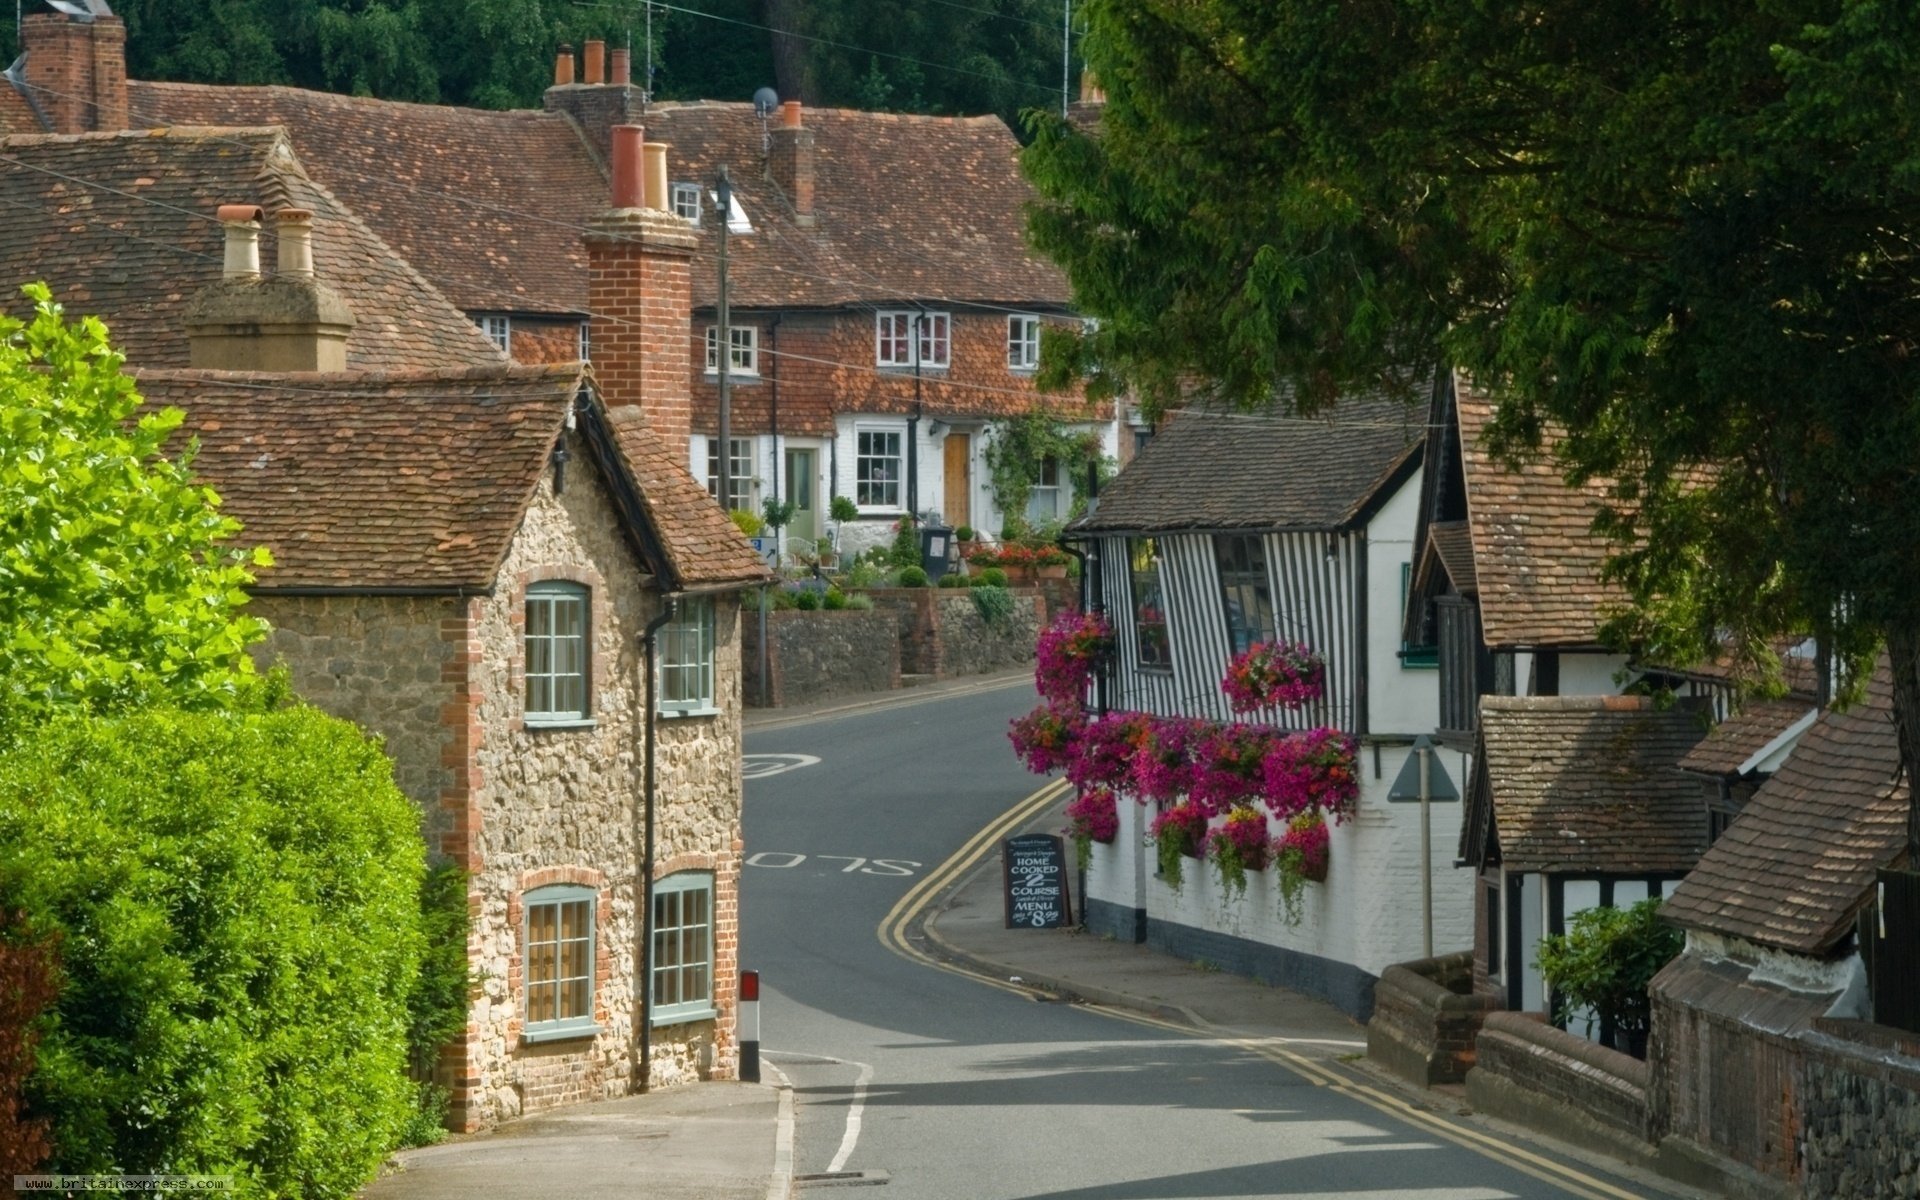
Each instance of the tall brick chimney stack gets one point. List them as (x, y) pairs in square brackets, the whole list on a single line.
[(640, 295), (76, 70), (790, 160)]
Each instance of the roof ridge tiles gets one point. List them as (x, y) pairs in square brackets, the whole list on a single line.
[(1567, 704), (345, 380)]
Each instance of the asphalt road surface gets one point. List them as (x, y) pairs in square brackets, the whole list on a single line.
[(915, 1082)]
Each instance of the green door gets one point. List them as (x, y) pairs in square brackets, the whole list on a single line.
[(800, 490)]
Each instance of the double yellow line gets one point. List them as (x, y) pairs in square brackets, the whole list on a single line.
[(893, 935), (893, 928)]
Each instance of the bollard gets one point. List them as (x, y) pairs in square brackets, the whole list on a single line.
[(750, 1027)]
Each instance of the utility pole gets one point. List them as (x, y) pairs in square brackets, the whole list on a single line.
[(913, 426), (723, 347), (1066, 56)]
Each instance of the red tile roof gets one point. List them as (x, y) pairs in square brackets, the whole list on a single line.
[(1536, 558), (122, 225), (488, 205), (1799, 861), (705, 548), (367, 481), (1587, 784), (1733, 741)]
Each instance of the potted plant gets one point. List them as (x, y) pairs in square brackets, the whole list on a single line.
[(966, 541), (1304, 851), (1178, 833), (841, 509)]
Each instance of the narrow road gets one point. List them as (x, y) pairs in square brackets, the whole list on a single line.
[(936, 1085)]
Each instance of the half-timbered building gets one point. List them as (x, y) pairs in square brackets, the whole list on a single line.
[(1230, 529)]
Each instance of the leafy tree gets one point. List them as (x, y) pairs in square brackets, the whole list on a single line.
[(117, 587), (1678, 244)]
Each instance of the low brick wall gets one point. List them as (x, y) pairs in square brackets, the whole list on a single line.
[(1426, 1017), (943, 635), (1860, 1111), (818, 655), (1532, 1074)]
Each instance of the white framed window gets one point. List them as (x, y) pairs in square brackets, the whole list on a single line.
[(877, 468), (894, 343), (739, 472), (558, 937), (500, 331), (680, 948), (745, 358), (586, 342), (1043, 498), (686, 201), (556, 653), (686, 660), (1023, 343)]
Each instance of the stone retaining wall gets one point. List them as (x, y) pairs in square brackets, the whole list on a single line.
[(818, 655), (1532, 1074), (943, 635), (1860, 1111), (1426, 1017)]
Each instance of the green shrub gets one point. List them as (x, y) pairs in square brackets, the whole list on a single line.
[(994, 604), (862, 574), (1605, 961), (963, 534), (437, 1005), (860, 602), (237, 903), (842, 509), (912, 577), (953, 581), (748, 523), (993, 577), (807, 600), (834, 600), (905, 551)]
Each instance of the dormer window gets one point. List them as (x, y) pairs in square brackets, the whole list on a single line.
[(686, 201)]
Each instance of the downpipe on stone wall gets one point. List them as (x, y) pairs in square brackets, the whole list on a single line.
[(650, 641)]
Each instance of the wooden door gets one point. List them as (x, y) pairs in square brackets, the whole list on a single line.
[(800, 490), (959, 475)]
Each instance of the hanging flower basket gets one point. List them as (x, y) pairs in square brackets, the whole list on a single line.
[(1229, 766), (1312, 770), (1092, 816), (1238, 845), (1106, 750), (1065, 654), (1307, 837), (1178, 833), (1274, 675), (1163, 769), (1044, 739)]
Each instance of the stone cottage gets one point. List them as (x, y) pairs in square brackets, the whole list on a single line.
[(520, 589)]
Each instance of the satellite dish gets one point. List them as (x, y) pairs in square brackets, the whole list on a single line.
[(765, 101)]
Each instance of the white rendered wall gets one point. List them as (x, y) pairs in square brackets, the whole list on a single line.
[(1399, 700), (1590, 674)]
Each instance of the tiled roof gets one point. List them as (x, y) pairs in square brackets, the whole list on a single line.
[(1214, 470), (706, 549), (1453, 542), (1798, 863), (905, 207), (364, 481), (122, 225), (1587, 784), (1536, 558), (488, 205), (1736, 739)]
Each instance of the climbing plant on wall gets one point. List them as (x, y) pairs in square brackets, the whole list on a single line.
[(1020, 447)]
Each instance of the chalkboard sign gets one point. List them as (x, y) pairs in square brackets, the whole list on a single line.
[(1035, 865)]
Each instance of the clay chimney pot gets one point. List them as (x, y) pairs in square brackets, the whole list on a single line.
[(790, 114), (596, 61), (563, 67), (295, 230), (628, 186), (656, 180), (622, 67), (242, 223)]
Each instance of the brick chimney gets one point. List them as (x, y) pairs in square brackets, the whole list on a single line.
[(76, 70), (640, 292), (790, 161), (600, 100), (288, 322)]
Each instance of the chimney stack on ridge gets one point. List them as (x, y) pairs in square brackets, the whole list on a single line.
[(790, 161), (76, 70), (289, 322)]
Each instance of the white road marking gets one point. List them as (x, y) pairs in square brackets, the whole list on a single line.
[(769, 859), (763, 766), (854, 1111)]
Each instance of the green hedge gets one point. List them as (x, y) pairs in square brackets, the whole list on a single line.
[(236, 902)]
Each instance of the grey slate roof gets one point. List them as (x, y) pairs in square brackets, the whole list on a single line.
[(1588, 784), (1215, 470), (1798, 863)]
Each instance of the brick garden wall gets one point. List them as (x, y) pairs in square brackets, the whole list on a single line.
[(1545, 1068), (1426, 1015)]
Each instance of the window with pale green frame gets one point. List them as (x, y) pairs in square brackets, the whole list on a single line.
[(680, 948), (556, 652), (559, 941), (686, 660), (1419, 658)]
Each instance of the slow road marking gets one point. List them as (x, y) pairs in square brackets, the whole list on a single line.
[(765, 766)]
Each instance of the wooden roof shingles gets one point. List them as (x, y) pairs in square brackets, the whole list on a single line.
[(1209, 470), (122, 226), (1536, 560), (1795, 867), (373, 481), (1587, 784)]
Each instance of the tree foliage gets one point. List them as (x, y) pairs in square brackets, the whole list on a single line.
[(117, 585), (236, 903), (1680, 243), (1605, 961)]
